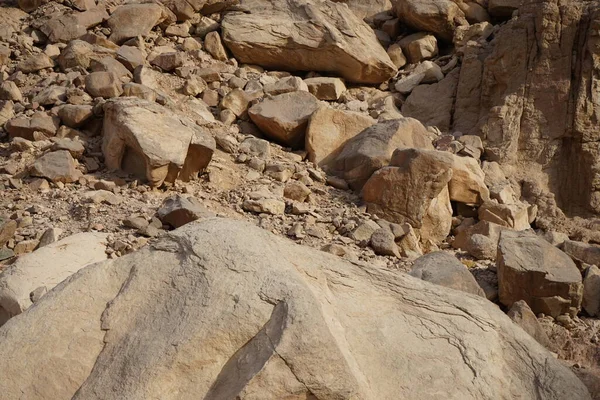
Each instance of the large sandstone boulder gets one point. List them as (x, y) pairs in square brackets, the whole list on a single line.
[(438, 16), (131, 20), (306, 35), (531, 269), (414, 189), (373, 149), (224, 310), (149, 141), (284, 117), (47, 267), (329, 130)]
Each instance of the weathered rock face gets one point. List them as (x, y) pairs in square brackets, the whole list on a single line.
[(306, 36), (149, 141), (284, 118), (131, 20), (531, 269), (414, 189), (539, 112), (367, 8), (373, 149), (444, 269), (236, 312), (47, 267), (438, 16), (329, 130)]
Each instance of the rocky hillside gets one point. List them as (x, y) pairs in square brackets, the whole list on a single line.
[(159, 159)]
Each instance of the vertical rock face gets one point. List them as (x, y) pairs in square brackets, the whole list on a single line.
[(306, 36), (532, 97), (223, 310)]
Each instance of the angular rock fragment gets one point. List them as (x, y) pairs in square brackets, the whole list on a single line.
[(151, 142), (531, 269)]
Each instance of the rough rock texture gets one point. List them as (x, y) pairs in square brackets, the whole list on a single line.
[(47, 267), (522, 315), (444, 269), (147, 140), (222, 309), (133, 20), (329, 130), (539, 112), (309, 36), (438, 16), (373, 149), (531, 269), (284, 118), (413, 189)]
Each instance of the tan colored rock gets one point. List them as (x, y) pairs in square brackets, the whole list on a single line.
[(286, 85), (26, 127), (103, 84), (306, 36), (57, 166), (231, 305), (413, 189), (237, 101), (373, 148), (582, 252), (214, 46), (35, 63), (425, 72), (446, 270), (419, 47), (522, 315), (467, 184), (329, 130), (284, 118), (591, 291), (438, 16), (47, 267), (433, 104), (329, 89), (132, 20), (531, 269), (73, 25), (480, 240), (513, 216), (149, 141), (178, 211), (397, 55)]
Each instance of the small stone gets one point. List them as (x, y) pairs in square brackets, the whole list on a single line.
[(178, 211), (383, 243), (268, 206), (297, 191), (26, 246)]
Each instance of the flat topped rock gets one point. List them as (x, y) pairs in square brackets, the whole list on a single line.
[(306, 35), (284, 118)]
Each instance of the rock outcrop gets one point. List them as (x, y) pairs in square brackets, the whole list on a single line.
[(306, 35), (221, 309)]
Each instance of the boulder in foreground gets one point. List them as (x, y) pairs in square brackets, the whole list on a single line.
[(222, 310)]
